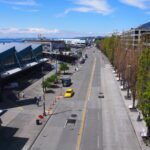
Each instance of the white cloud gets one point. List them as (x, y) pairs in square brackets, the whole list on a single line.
[(34, 32), (142, 4), (20, 2), (97, 6), (27, 32), (25, 9)]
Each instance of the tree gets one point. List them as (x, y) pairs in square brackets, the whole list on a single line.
[(64, 67), (67, 48), (46, 84), (143, 85)]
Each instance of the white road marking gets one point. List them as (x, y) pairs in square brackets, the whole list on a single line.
[(98, 141)]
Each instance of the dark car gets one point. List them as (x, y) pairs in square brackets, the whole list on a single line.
[(86, 56), (82, 61), (66, 82)]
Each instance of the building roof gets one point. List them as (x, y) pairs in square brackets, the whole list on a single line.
[(5, 46), (145, 26), (34, 46)]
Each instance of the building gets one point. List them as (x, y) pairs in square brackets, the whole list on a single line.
[(49, 45), (17, 57), (137, 36)]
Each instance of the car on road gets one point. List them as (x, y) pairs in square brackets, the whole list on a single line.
[(82, 61), (66, 82), (69, 93)]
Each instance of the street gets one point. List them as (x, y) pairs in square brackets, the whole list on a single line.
[(86, 121)]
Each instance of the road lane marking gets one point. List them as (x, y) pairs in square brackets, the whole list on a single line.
[(98, 141), (80, 133)]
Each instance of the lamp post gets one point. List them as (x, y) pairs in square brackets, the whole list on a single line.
[(44, 113)]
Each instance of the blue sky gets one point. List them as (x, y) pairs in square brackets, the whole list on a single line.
[(68, 18)]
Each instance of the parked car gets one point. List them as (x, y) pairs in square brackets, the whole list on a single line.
[(69, 93), (82, 61), (66, 82)]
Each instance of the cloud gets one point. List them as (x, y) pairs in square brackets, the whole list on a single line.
[(96, 6), (34, 32), (20, 2), (26, 32), (24, 9), (142, 4)]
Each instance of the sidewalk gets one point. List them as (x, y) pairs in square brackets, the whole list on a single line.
[(138, 126), (19, 122)]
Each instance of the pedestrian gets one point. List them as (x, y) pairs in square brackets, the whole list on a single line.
[(38, 104), (23, 95), (40, 98), (18, 95), (139, 116), (36, 100)]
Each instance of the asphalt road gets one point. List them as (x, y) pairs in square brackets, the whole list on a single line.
[(85, 121)]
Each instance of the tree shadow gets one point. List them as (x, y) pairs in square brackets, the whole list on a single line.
[(50, 91), (8, 141), (67, 73), (54, 86), (25, 102)]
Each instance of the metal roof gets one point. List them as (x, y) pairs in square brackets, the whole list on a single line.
[(145, 26), (34, 46), (18, 46), (21, 46), (5, 47)]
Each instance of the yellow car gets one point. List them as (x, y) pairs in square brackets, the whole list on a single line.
[(69, 93)]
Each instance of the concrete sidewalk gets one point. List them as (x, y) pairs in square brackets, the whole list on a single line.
[(19, 122), (138, 126)]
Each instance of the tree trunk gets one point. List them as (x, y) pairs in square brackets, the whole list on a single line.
[(119, 76), (128, 94), (133, 94), (148, 131), (124, 82)]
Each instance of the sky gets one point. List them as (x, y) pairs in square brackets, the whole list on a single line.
[(70, 18)]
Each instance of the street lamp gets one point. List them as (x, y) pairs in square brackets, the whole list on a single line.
[(44, 113)]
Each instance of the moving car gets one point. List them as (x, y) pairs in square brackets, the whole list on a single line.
[(69, 93)]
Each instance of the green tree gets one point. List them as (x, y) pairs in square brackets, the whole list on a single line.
[(46, 84), (143, 85), (67, 48), (64, 67)]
